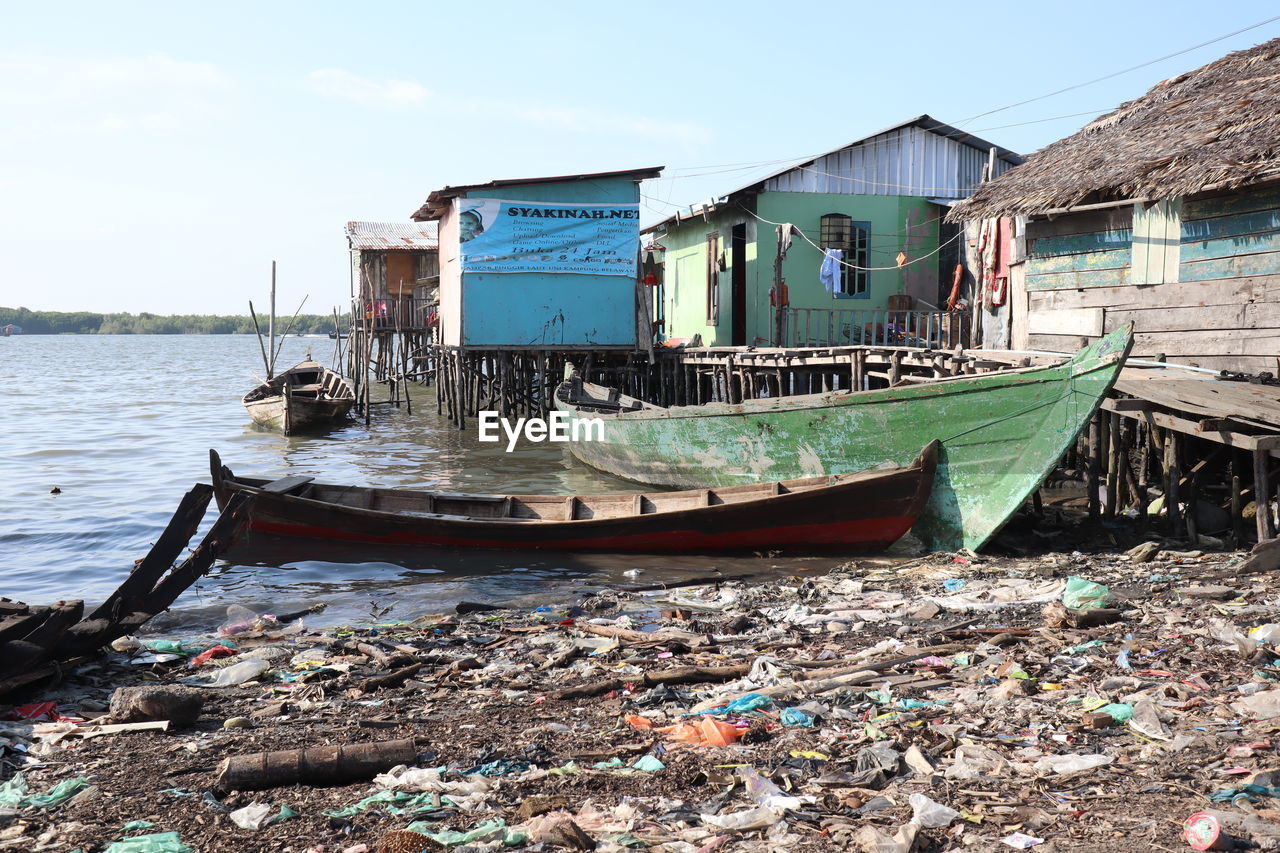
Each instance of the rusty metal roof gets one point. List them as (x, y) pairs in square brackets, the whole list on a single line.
[(393, 236)]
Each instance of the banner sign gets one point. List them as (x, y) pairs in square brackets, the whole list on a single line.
[(548, 237)]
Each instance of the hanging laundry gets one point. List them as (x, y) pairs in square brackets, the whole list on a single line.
[(1004, 254), (995, 251), (785, 231), (829, 273)]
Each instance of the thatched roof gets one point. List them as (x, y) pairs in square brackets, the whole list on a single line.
[(1217, 127)]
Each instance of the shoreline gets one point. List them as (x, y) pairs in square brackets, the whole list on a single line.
[(874, 683)]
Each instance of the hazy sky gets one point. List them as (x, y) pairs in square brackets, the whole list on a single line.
[(157, 156)]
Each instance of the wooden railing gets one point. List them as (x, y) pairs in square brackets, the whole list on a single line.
[(391, 313), (817, 327)]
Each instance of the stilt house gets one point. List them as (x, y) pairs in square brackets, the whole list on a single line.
[(395, 273), (733, 274), (541, 263), (1165, 213)]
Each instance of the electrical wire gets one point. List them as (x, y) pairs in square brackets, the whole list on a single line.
[(1123, 71)]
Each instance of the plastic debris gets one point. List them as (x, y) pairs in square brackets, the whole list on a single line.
[(1082, 594), (157, 842), (930, 814)]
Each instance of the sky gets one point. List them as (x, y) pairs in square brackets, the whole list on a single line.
[(158, 156)]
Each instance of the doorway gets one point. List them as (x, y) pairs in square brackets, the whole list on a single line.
[(738, 283)]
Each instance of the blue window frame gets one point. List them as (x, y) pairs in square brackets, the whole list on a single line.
[(839, 231)]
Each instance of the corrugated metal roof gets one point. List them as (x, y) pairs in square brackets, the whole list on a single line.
[(393, 236), (921, 157), (435, 204)]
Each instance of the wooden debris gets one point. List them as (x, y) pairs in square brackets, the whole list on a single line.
[(34, 640), (320, 765)]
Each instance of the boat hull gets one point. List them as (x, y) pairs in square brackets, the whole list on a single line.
[(1001, 434), (293, 414), (863, 513), (307, 396)]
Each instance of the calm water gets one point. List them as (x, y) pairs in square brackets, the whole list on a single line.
[(123, 425)]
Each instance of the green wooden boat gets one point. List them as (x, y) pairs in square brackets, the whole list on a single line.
[(1001, 434)]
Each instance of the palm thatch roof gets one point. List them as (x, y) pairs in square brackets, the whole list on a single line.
[(1217, 127)]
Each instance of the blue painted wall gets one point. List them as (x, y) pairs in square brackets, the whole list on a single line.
[(561, 310)]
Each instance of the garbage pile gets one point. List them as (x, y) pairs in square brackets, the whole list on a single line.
[(952, 702)]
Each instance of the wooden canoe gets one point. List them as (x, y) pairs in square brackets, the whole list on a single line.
[(306, 396), (1001, 434), (858, 512)]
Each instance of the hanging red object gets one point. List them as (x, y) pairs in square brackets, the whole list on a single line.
[(956, 278), (650, 280)]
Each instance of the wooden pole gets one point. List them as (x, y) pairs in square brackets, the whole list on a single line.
[(271, 326), (1262, 495), (1109, 440), (1237, 516), (1095, 463)]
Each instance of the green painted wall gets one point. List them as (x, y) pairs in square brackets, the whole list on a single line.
[(898, 223)]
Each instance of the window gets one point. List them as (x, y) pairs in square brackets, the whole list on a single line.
[(839, 231), (713, 278)]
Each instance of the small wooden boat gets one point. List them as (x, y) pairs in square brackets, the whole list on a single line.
[(306, 396), (1001, 434), (858, 512)]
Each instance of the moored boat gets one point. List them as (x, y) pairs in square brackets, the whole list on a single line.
[(306, 396), (1001, 433), (857, 512)]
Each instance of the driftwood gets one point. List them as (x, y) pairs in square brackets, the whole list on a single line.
[(391, 679), (1058, 615), (835, 673), (676, 675), (34, 640), (666, 635), (320, 765)]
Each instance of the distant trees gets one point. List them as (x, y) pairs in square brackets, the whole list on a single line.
[(87, 323)]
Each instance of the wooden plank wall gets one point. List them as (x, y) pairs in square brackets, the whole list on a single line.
[(1221, 312)]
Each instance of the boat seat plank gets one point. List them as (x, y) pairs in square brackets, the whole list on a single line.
[(286, 484), (307, 388)]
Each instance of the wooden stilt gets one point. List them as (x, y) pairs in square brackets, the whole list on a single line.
[(1262, 495)]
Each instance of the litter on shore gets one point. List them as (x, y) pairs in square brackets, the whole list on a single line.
[(955, 701)]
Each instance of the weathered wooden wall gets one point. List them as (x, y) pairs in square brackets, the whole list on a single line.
[(1199, 279)]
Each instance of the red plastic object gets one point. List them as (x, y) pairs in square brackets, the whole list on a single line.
[(211, 653), (1202, 831)]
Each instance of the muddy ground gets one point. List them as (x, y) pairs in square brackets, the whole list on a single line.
[(959, 677)]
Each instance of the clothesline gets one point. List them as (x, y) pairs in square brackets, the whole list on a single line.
[(800, 231)]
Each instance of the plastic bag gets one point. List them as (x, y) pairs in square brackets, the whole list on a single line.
[(252, 816), (930, 814), (238, 673), (241, 620), (1146, 721), (796, 717), (705, 732), (13, 793), (1070, 764), (156, 842), (743, 704), (1081, 594), (757, 818), (767, 794), (1263, 705)]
